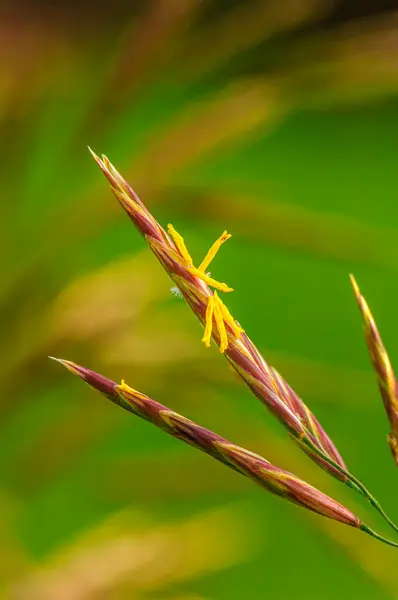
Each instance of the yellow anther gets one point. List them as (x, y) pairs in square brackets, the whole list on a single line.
[(213, 251), (217, 309), (200, 272), (124, 386), (222, 287), (134, 397), (228, 318), (218, 317), (209, 322), (179, 242)]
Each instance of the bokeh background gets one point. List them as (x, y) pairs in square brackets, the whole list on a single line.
[(277, 121)]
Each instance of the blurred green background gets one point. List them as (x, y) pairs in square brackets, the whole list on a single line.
[(277, 121)]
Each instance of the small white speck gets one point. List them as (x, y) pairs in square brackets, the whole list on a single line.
[(176, 291)]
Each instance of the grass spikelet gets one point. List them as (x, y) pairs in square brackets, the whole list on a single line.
[(384, 372), (200, 292), (255, 467)]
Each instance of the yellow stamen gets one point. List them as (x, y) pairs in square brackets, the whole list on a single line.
[(218, 317), (136, 396), (213, 250), (199, 273), (230, 320), (179, 242), (125, 387), (206, 279), (215, 307), (209, 322)]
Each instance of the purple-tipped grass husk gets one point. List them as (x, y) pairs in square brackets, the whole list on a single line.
[(386, 379), (202, 293), (255, 467)]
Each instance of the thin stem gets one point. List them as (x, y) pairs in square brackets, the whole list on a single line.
[(355, 483), (364, 527)]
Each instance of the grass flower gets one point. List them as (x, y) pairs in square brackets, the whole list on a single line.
[(255, 467), (201, 292), (384, 372)]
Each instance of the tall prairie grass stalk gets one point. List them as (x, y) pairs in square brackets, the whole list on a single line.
[(386, 379), (202, 293), (255, 467)]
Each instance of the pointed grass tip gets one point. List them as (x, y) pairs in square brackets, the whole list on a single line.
[(95, 380), (355, 286), (97, 159), (68, 364), (363, 305)]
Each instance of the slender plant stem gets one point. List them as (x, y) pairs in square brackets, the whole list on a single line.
[(355, 483), (379, 537)]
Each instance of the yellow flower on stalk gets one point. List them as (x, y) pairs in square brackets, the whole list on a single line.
[(216, 311)]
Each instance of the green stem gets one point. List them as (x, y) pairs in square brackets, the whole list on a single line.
[(353, 481), (364, 527)]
